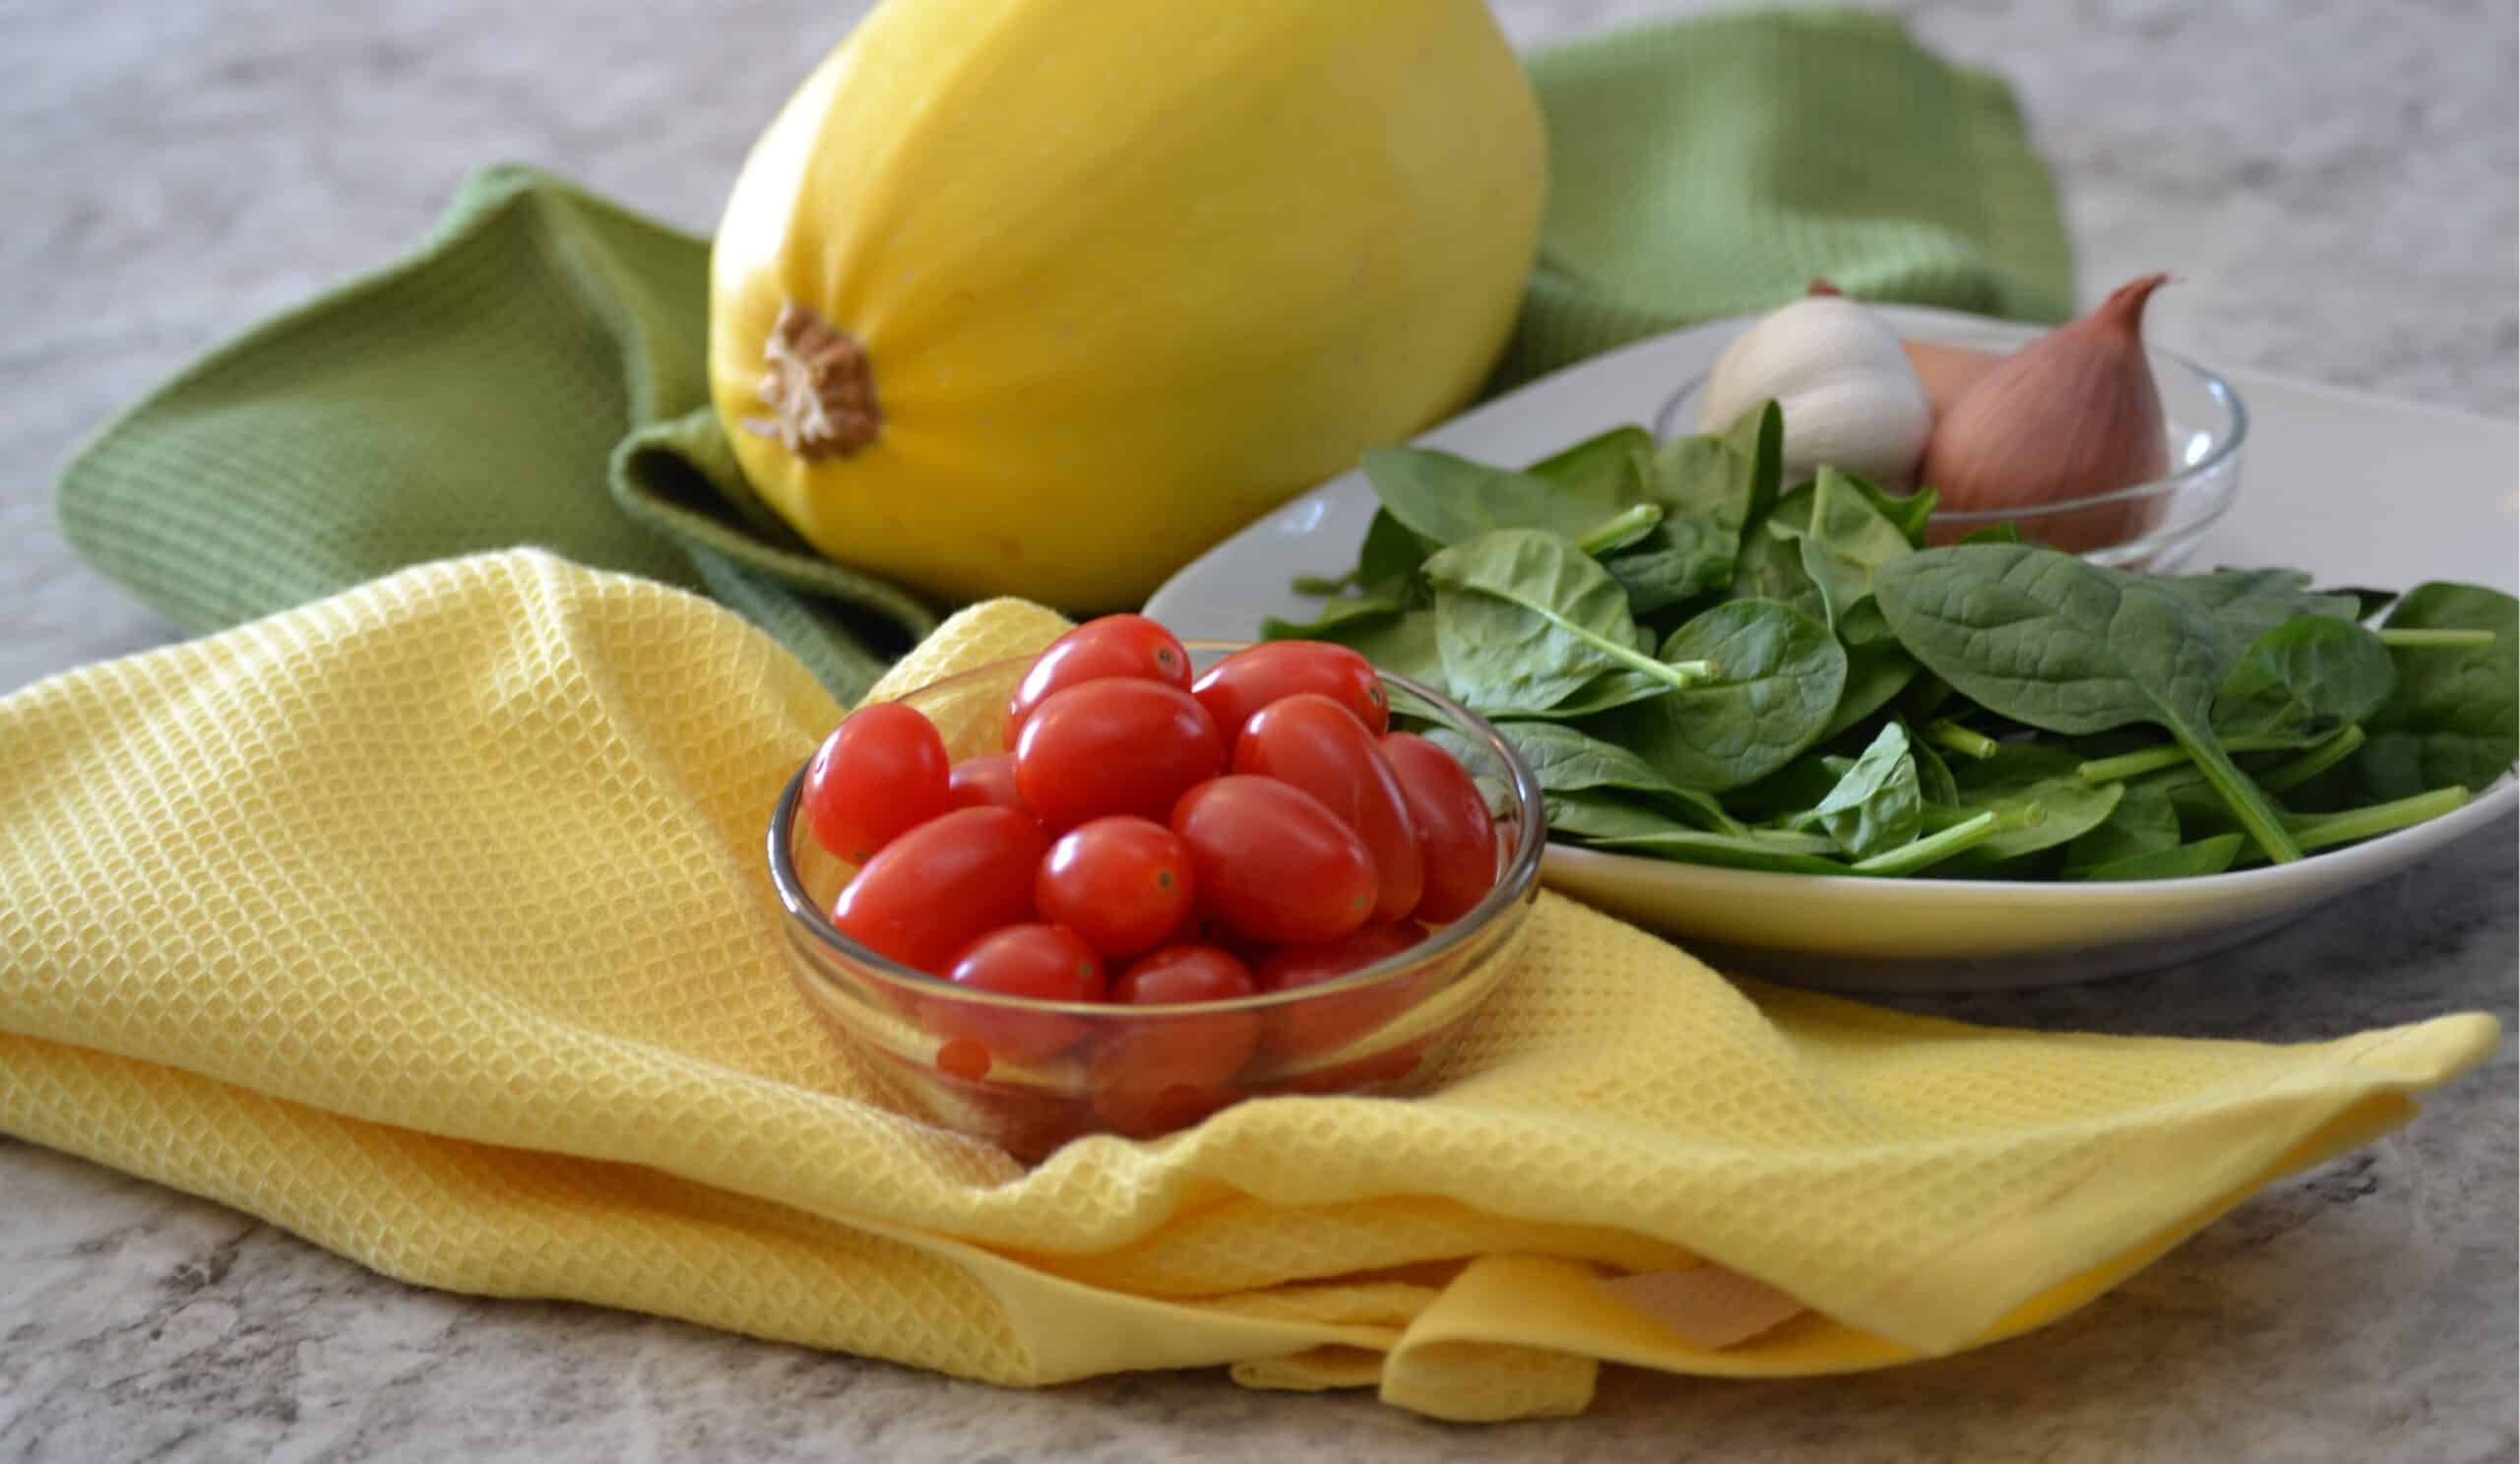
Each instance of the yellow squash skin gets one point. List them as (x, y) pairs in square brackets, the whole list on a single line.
[(1125, 273)]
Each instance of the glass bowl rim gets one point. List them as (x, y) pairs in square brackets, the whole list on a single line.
[(1512, 887), (2227, 444)]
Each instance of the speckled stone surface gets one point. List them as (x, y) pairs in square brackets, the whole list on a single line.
[(2334, 183)]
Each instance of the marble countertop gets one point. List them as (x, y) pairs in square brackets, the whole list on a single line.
[(2334, 184)]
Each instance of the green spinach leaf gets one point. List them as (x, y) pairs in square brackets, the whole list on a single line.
[(2454, 717), (1841, 540), (1757, 849), (1397, 640), (1759, 436), (2143, 822), (1334, 614), (2368, 601), (2070, 647), (1706, 479), (1607, 690), (1909, 513), (2019, 777), (1524, 621), (2249, 602), (1612, 467), (1876, 672), (1906, 514), (1876, 806), (1771, 568), (1449, 500), (1863, 624), (1677, 560), (1390, 558), (1567, 761), (1592, 816), (2015, 766), (1777, 676), (1790, 790), (2304, 679), (1934, 782), (2209, 855), (1707, 488)]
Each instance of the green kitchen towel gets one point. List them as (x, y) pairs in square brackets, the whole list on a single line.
[(1712, 168), (535, 372)]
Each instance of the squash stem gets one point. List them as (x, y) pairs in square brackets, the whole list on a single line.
[(819, 388)]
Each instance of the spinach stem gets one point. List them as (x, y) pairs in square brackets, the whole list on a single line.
[(1313, 584), (2409, 639), (1925, 696), (2264, 825), (1951, 737), (2010, 818), (2321, 758), (1933, 848), (1621, 528), (2152, 759), (2327, 829), (1679, 674)]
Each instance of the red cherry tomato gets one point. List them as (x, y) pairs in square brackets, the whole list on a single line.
[(1389, 1065), (1183, 975), (1032, 1126), (942, 885), (1327, 1023), (1126, 1106), (1453, 827), (1153, 1074), (1251, 679), (1207, 929), (1122, 883), (1271, 862), (1113, 746), (1130, 645), (1047, 963), (880, 772), (980, 781), (1315, 744)]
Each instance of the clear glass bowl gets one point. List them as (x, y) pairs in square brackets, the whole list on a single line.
[(1381, 1028), (2153, 526)]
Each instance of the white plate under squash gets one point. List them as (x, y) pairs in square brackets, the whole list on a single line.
[(2354, 488)]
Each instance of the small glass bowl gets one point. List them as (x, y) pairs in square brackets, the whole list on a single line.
[(2153, 526), (1381, 1028)]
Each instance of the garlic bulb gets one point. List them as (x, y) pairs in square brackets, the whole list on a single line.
[(1947, 371), (1850, 398)]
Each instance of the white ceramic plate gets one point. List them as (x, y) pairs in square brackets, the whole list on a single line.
[(2355, 488)]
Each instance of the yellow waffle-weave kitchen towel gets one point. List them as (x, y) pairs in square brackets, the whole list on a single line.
[(429, 922)]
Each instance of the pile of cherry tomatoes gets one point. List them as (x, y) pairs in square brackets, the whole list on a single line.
[(1151, 840)]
